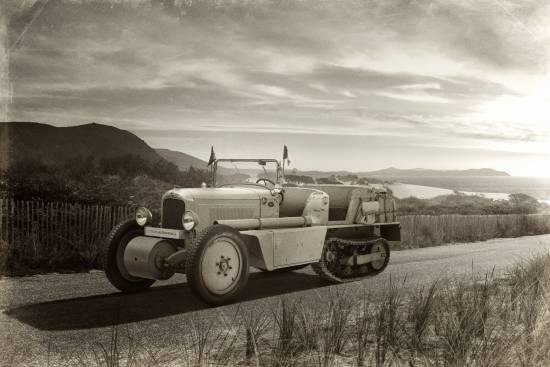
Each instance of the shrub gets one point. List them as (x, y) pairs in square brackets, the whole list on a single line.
[(124, 180), (469, 205)]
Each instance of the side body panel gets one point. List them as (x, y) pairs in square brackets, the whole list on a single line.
[(279, 248), (271, 249)]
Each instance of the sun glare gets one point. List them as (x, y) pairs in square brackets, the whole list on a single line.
[(531, 110), (527, 116)]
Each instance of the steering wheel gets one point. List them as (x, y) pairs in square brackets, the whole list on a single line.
[(265, 180)]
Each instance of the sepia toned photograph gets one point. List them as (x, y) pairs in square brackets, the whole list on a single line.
[(275, 183)]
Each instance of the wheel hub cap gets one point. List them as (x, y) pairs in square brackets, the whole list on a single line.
[(221, 265), (224, 265)]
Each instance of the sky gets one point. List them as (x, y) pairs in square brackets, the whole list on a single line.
[(351, 85)]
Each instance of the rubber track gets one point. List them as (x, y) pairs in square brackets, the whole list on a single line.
[(321, 269)]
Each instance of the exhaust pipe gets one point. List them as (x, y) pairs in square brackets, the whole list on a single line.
[(266, 223)]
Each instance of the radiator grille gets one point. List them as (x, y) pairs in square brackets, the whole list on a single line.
[(172, 212), (230, 213)]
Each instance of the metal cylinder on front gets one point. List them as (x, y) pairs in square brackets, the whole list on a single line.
[(144, 257)]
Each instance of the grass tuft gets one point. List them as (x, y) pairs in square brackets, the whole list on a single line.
[(472, 320)]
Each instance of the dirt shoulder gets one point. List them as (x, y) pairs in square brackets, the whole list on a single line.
[(75, 311)]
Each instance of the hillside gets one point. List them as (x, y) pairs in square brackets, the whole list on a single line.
[(182, 160), (53, 164), (50, 144)]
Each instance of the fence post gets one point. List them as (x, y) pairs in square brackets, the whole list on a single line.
[(1, 219), (86, 221), (54, 218)]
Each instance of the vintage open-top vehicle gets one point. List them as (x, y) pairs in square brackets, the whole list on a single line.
[(214, 234)]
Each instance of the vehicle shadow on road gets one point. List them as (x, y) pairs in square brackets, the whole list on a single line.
[(118, 308)]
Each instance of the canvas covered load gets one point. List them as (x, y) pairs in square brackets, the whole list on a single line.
[(358, 204)]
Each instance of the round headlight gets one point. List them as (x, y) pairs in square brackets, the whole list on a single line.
[(143, 216), (189, 221)]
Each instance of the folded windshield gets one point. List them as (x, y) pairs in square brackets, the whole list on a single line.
[(237, 171)]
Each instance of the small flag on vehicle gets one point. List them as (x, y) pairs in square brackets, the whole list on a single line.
[(285, 155), (212, 156)]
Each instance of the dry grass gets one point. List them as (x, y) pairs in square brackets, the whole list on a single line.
[(27, 256), (469, 321), (428, 230)]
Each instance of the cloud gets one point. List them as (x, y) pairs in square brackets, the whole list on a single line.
[(430, 72), (422, 86)]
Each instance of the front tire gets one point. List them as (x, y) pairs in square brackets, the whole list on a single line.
[(217, 265), (113, 258)]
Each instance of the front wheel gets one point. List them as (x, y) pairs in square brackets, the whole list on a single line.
[(217, 265), (113, 257)]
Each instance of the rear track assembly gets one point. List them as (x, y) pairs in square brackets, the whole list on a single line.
[(338, 263)]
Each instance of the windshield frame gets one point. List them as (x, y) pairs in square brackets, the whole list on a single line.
[(280, 173)]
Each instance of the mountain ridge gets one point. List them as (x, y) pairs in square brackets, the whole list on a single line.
[(52, 144), (180, 159)]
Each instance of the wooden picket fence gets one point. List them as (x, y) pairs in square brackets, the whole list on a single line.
[(63, 235), (52, 224), (48, 223)]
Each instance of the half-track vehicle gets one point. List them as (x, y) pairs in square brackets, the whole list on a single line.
[(215, 234)]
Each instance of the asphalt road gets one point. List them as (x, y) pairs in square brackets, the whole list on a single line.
[(46, 316)]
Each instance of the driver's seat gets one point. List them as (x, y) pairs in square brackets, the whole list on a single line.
[(294, 201)]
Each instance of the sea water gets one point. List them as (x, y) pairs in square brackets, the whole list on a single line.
[(537, 187)]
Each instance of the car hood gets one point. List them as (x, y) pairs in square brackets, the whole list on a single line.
[(227, 193)]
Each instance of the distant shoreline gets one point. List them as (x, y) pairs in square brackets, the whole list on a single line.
[(536, 187)]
